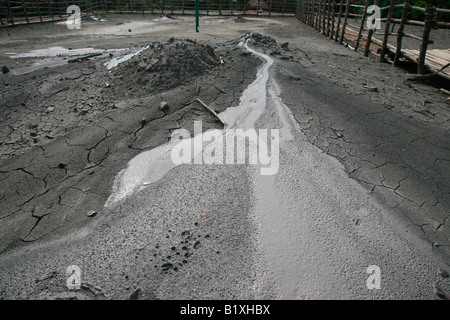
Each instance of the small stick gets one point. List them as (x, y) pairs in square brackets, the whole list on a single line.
[(211, 111), (427, 76)]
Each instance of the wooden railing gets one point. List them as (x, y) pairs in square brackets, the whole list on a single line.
[(331, 18), (13, 12)]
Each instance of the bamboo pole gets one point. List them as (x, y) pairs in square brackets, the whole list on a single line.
[(347, 8), (429, 14), (400, 33), (386, 31)]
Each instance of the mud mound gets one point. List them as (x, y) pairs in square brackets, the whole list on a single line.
[(258, 40), (164, 66)]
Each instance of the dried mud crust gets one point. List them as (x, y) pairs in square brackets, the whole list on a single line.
[(67, 131), (391, 134)]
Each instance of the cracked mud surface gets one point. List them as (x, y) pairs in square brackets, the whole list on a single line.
[(391, 134), (68, 131)]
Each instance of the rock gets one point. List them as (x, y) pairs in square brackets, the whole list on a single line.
[(443, 273), (163, 106), (33, 133), (91, 213), (285, 45), (5, 69), (440, 293), (50, 109), (135, 295)]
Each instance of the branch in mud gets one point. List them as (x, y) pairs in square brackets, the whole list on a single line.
[(211, 111)]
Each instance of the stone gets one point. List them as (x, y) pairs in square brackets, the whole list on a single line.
[(443, 273), (5, 69), (91, 213), (163, 106), (135, 295)]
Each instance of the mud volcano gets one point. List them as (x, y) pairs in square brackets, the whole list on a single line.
[(163, 66)]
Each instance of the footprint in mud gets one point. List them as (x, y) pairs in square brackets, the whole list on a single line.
[(179, 254)]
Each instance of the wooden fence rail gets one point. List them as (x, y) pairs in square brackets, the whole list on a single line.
[(330, 17), (14, 12)]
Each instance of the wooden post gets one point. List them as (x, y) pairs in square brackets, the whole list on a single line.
[(270, 8), (324, 17), (245, 6), (307, 11), (398, 50), (39, 9), (332, 21), (386, 31), (319, 14), (429, 14), (11, 18), (24, 5), (59, 8), (347, 8), (328, 17), (369, 37), (339, 20), (363, 21)]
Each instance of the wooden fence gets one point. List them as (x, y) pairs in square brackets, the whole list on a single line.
[(13, 12), (332, 18)]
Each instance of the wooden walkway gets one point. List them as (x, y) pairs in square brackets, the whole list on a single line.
[(435, 59)]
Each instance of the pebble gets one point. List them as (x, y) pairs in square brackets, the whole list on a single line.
[(91, 213), (163, 106), (443, 273)]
